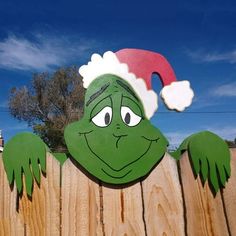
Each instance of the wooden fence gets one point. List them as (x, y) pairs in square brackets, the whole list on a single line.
[(170, 201)]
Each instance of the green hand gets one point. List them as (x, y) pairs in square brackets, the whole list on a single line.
[(22, 155), (210, 157)]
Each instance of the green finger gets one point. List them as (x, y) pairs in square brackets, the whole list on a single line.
[(10, 172), (227, 168), (213, 177), (36, 170), (194, 155), (28, 180), (18, 178), (204, 168), (222, 175), (7, 166), (42, 159)]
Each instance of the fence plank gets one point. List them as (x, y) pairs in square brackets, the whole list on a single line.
[(229, 195), (10, 223), (85, 206), (204, 212), (42, 214), (163, 200), (80, 203), (123, 211)]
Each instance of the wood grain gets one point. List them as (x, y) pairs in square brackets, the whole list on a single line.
[(204, 212), (123, 211), (10, 223), (156, 206), (163, 200), (229, 195), (11, 227), (80, 203), (41, 214)]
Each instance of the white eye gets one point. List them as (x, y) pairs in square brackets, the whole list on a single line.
[(129, 117), (103, 117)]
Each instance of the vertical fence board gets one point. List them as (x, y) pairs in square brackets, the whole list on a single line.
[(80, 203), (10, 223), (229, 195), (204, 212), (53, 197), (163, 200), (81, 207), (12, 227), (123, 211), (41, 214)]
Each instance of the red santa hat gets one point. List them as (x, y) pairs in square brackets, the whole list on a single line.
[(136, 67)]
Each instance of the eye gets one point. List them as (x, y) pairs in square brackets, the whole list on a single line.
[(103, 117), (129, 117)]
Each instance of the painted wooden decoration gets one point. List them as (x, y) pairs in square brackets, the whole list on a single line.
[(115, 140)]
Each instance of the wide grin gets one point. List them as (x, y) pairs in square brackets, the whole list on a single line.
[(114, 175)]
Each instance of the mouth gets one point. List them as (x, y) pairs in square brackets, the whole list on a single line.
[(150, 142), (116, 177)]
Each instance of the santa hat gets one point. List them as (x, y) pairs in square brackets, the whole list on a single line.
[(136, 67)]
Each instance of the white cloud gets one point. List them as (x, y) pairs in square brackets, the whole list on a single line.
[(205, 101), (40, 53), (226, 90), (176, 138), (212, 96), (202, 56), (225, 132)]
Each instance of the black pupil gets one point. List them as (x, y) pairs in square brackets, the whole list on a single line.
[(107, 118), (127, 118)]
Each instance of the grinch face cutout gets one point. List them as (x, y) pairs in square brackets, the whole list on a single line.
[(114, 141)]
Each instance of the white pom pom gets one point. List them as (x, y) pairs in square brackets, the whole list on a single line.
[(178, 95)]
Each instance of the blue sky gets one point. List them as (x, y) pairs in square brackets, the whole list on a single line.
[(197, 37)]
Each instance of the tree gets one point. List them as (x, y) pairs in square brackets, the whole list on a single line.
[(231, 144), (49, 104)]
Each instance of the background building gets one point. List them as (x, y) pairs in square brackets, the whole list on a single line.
[(1, 141)]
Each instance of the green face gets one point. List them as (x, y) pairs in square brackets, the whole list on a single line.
[(114, 141)]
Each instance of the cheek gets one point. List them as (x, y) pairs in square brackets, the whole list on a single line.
[(152, 158), (74, 131)]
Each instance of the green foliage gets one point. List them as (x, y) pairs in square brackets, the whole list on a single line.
[(49, 104), (23, 154), (209, 155), (61, 157), (231, 144)]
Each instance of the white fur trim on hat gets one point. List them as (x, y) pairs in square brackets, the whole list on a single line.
[(109, 64), (178, 95)]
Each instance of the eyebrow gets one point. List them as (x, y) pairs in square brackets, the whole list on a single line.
[(134, 103), (98, 93), (123, 85)]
